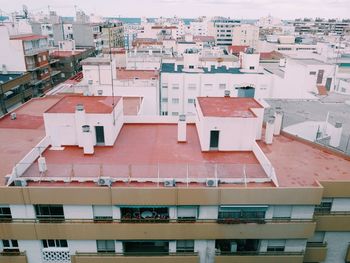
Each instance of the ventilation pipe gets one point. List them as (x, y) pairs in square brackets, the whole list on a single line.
[(278, 121), (87, 142), (42, 164), (336, 135), (181, 128), (269, 130), (80, 120)]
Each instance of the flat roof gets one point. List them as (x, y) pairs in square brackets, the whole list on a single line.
[(126, 74), (92, 104), (65, 54), (95, 61), (140, 150), (18, 137), (228, 107), (27, 37), (298, 163), (170, 68)]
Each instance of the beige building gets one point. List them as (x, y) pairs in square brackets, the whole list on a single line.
[(245, 35)]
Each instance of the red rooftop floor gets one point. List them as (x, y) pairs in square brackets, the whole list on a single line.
[(228, 107)]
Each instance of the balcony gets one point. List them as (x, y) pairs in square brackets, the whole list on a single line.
[(315, 252), (35, 51), (48, 228), (13, 257), (259, 257), (333, 221), (188, 257)]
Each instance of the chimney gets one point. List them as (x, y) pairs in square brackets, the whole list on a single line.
[(87, 142), (42, 164), (278, 121), (227, 93), (181, 128), (80, 120), (336, 135), (269, 130)]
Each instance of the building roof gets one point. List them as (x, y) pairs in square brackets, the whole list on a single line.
[(27, 37), (236, 49), (131, 105), (65, 54), (126, 74), (92, 104), (18, 137), (95, 61), (170, 68), (138, 152), (228, 107), (273, 55)]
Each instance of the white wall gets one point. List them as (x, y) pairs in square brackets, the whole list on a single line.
[(82, 246), (78, 211), (32, 249), (341, 205), (205, 249), (295, 245), (337, 245), (302, 212)]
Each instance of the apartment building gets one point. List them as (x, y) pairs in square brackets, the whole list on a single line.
[(113, 35), (245, 35), (88, 35), (321, 26), (193, 75), (199, 27), (29, 52), (222, 29), (100, 186)]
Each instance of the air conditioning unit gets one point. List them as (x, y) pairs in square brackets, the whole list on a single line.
[(20, 182), (169, 183), (104, 182), (13, 116), (100, 92), (211, 182), (90, 82)]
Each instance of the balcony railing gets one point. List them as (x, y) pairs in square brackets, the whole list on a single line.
[(12, 254), (332, 213), (258, 253), (34, 51), (146, 220), (141, 254)]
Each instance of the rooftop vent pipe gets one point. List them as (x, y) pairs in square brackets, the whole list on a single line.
[(181, 128), (278, 121), (269, 130)]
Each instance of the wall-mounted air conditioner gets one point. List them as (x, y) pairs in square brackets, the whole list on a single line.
[(169, 183), (212, 182), (104, 181)]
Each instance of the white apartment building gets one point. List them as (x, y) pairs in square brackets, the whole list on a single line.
[(245, 35), (199, 27), (185, 79), (222, 30)]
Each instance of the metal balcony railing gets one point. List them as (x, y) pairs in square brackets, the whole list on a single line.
[(332, 213), (258, 253), (140, 254), (12, 253), (316, 244)]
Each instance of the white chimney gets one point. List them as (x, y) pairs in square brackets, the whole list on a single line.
[(181, 128), (80, 120), (282, 62), (269, 130), (336, 135), (278, 121), (87, 141), (42, 164)]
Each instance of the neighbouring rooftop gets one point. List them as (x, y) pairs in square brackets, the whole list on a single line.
[(128, 74), (228, 107), (170, 68), (92, 104), (66, 54), (95, 61), (27, 37)]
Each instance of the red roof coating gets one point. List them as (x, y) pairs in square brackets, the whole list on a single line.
[(164, 27), (27, 37), (228, 107), (92, 104), (124, 74), (273, 55), (236, 49), (131, 105), (65, 54)]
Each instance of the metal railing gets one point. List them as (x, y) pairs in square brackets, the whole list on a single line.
[(258, 253), (332, 213), (148, 220), (12, 253), (139, 254), (316, 244)]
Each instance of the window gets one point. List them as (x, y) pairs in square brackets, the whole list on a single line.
[(187, 213), (175, 113), (191, 67), (191, 101), (276, 245), (164, 99), (191, 86), (312, 73), (282, 211), (105, 246), (317, 238), (175, 86), (185, 246), (39, 59), (165, 86), (175, 100), (251, 67), (50, 243), (5, 213), (10, 245), (208, 86), (102, 213), (164, 113), (222, 86), (325, 207), (44, 57), (241, 213), (49, 212)]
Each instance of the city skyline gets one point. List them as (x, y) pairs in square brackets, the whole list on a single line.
[(191, 8)]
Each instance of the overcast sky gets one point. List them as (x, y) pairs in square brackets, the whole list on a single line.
[(285, 9)]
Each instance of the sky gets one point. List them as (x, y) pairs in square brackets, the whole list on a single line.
[(238, 9)]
